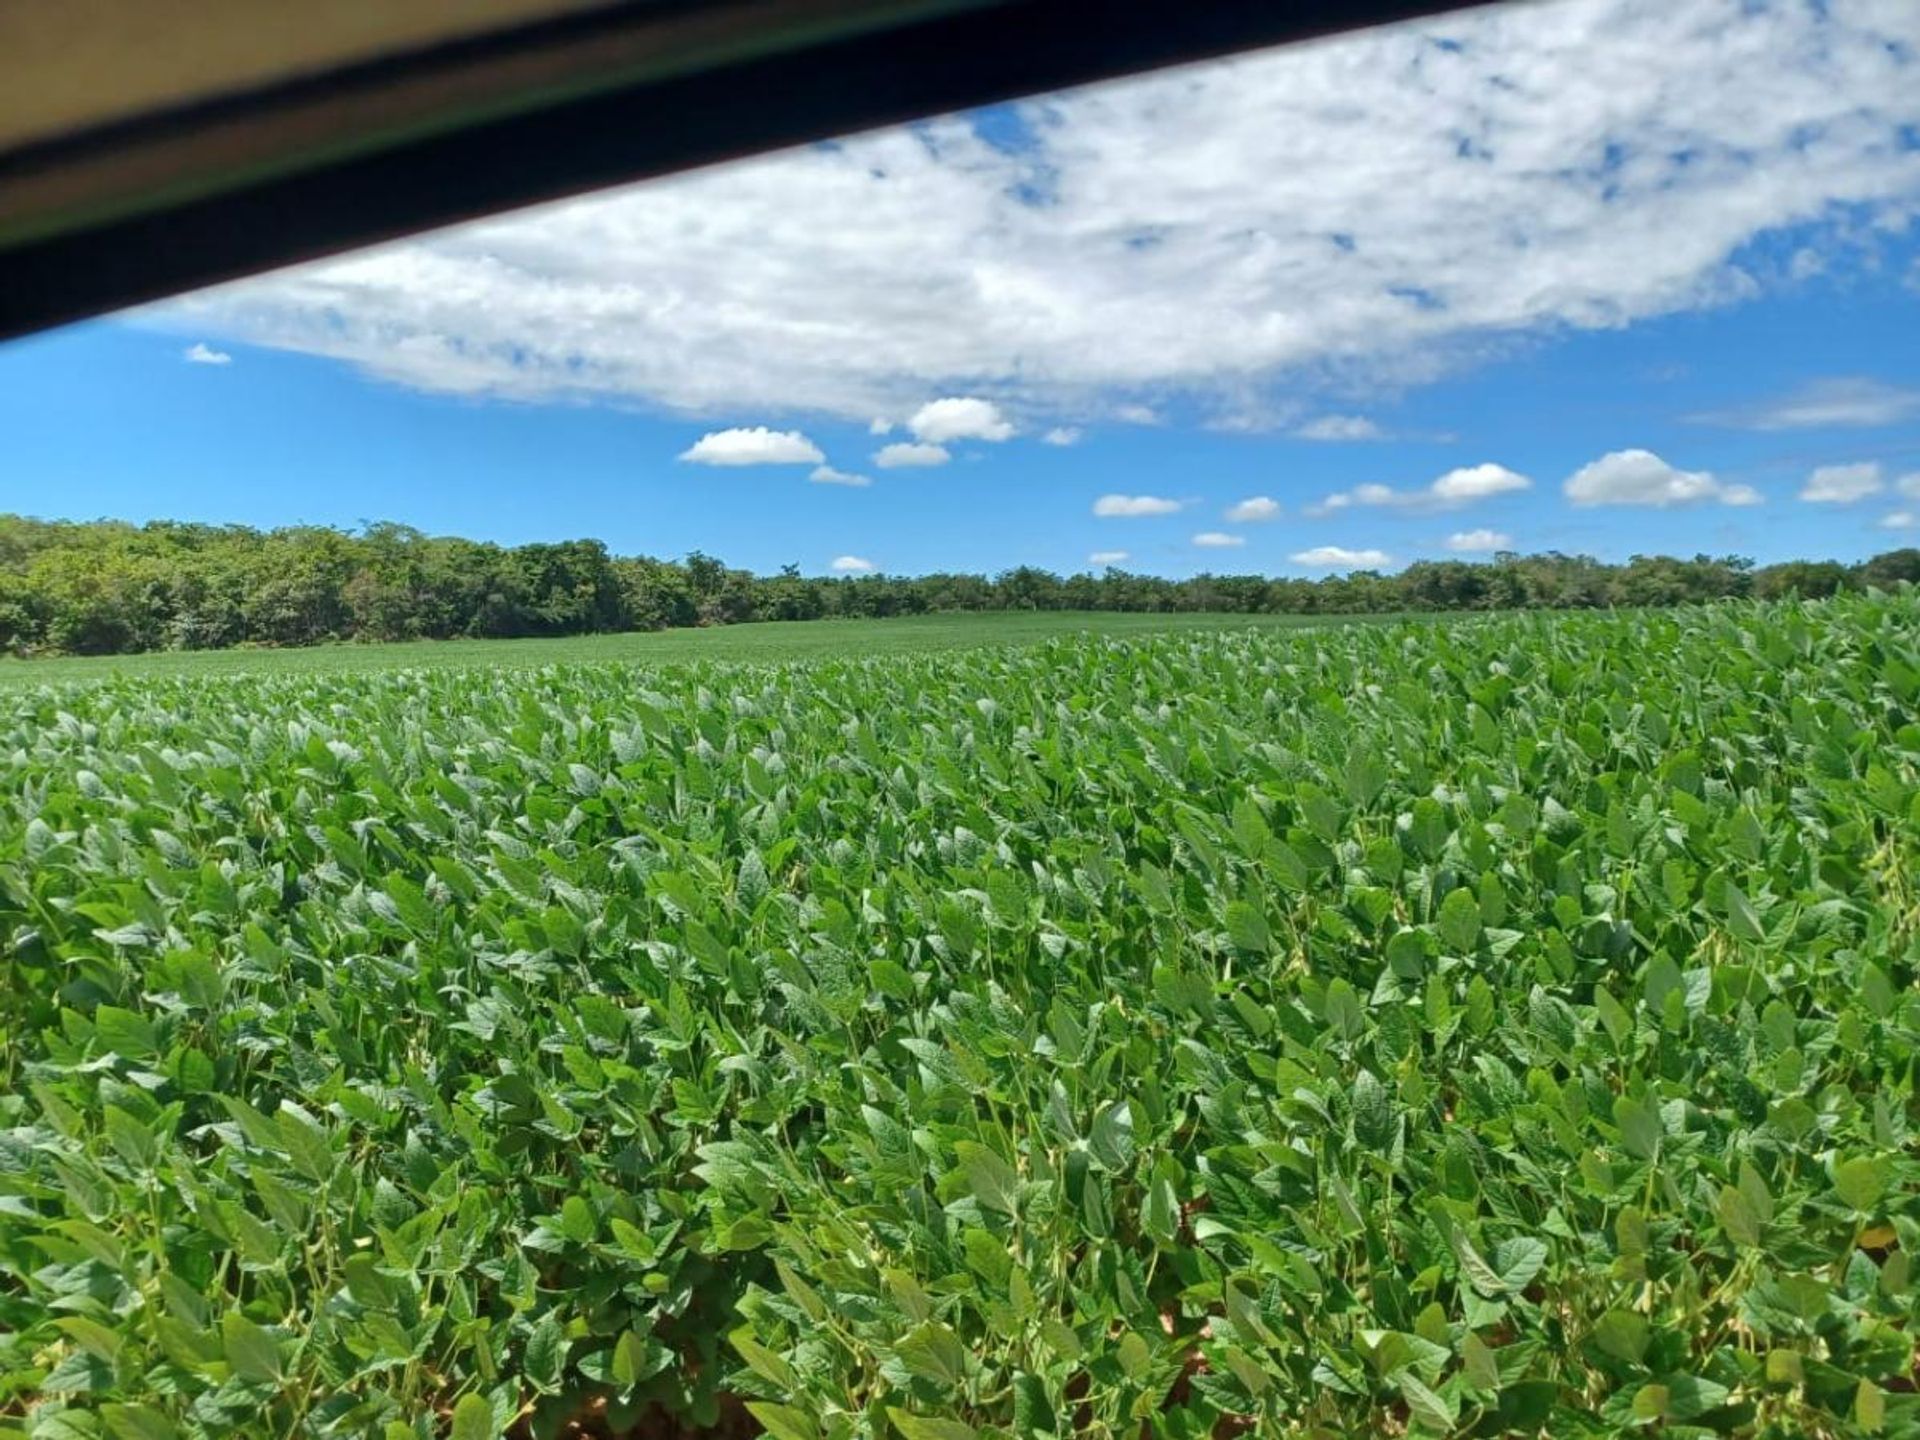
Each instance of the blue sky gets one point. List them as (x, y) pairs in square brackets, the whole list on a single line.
[(1668, 249)]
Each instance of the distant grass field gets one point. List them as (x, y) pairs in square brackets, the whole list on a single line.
[(767, 642)]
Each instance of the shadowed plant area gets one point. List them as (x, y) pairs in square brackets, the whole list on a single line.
[(1503, 1028)]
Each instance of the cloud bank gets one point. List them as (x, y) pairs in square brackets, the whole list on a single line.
[(1385, 205)]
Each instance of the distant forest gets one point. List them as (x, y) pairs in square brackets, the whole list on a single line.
[(104, 587)]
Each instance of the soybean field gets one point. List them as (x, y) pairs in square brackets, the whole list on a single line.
[(1502, 1028)]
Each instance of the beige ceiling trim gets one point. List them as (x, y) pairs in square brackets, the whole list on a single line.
[(70, 65), (204, 151)]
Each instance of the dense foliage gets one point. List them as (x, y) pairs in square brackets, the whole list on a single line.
[(111, 588), (1493, 1028)]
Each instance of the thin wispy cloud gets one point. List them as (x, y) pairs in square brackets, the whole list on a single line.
[(1843, 484), (1134, 506), (1842, 402), (1340, 427), (911, 455), (1219, 540), (1339, 557), (827, 475)]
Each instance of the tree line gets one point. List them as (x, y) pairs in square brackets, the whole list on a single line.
[(107, 587)]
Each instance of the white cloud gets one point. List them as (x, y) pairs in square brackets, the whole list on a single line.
[(880, 425), (1134, 505), (850, 565), (1640, 477), (1479, 542), (1899, 520), (1378, 206), (1108, 557), (1340, 427), (1253, 509), (960, 418), (1843, 484), (1218, 540), (755, 446), (1339, 557), (827, 475), (904, 455), (1451, 491), (1856, 401), (1137, 414), (1062, 435), (1909, 484), (1476, 482), (200, 353)]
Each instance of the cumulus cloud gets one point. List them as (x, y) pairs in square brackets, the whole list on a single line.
[(1640, 477), (1062, 435), (850, 565), (756, 445), (1479, 542), (880, 425), (908, 455), (1134, 505), (1108, 557), (960, 418), (201, 353), (1843, 484), (1899, 520), (1254, 509), (1522, 170), (1841, 401), (1340, 427), (1218, 540), (1451, 491), (827, 475), (1476, 482), (1338, 557)]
